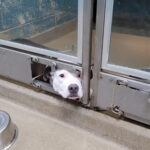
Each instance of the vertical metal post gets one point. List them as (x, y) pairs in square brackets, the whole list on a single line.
[(86, 48), (100, 20)]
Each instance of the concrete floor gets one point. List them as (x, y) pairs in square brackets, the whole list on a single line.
[(63, 38), (65, 44), (48, 122), (39, 132), (130, 50)]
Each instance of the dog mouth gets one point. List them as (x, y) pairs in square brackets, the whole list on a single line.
[(73, 97)]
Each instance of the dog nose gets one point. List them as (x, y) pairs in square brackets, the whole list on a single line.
[(73, 88)]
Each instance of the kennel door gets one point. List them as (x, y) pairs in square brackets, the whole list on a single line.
[(48, 34), (124, 41)]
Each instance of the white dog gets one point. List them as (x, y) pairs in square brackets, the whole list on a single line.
[(67, 84)]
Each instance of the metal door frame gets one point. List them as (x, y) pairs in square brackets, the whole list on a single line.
[(100, 19), (102, 42), (32, 54), (107, 80)]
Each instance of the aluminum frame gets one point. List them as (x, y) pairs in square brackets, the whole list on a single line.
[(106, 45), (86, 47), (82, 62), (100, 18), (52, 53), (132, 96), (104, 21)]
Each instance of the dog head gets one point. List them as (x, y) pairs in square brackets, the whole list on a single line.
[(68, 85)]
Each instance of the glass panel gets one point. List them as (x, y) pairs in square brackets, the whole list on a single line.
[(130, 37), (50, 24)]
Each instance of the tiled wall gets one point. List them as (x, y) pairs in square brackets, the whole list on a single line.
[(25, 18), (133, 14)]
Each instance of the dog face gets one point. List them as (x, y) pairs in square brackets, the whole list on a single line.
[(68, 85)]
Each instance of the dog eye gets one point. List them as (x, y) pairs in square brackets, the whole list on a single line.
[(62, 75), (78, 75)]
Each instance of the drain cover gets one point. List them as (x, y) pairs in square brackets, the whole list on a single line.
[(8, 131)]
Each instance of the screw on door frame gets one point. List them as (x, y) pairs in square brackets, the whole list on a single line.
[(35, 59)]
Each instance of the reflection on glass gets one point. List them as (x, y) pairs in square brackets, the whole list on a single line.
[(130, 37), (50, 23)]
